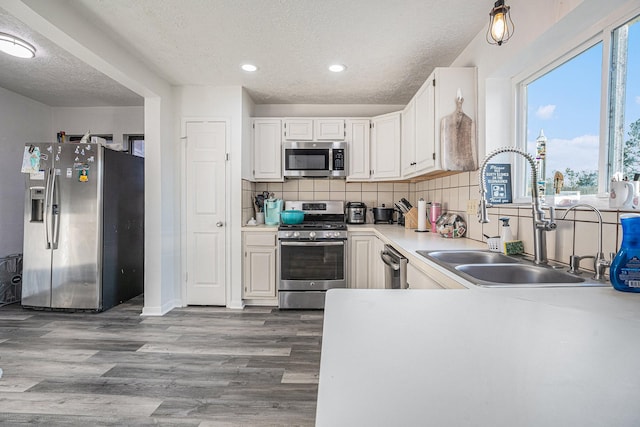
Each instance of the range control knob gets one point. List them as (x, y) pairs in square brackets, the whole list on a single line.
[(296, 234), (312, 234)]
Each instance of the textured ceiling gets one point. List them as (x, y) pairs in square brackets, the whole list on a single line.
[(389, 48), (55, 77)]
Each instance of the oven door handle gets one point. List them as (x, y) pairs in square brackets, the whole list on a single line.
[(313, 243)]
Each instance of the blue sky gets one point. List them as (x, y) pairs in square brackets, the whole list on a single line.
[(566, 102)]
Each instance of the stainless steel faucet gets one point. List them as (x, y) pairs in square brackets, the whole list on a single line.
[(600, 263), (540, 224)]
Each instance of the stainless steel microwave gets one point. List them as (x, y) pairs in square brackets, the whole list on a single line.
[(315, 159)]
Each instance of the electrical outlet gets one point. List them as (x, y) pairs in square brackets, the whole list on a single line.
[(472, 206)]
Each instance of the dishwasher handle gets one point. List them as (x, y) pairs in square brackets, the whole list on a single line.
[(387, 259), (395, 269)]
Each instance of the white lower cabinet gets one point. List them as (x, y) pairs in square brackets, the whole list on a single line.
[(417, 279), (366, 267), (260, 266)]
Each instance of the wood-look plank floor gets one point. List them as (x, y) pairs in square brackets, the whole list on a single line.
[(195, 366)]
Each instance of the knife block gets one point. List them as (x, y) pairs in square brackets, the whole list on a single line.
[(411, 218)]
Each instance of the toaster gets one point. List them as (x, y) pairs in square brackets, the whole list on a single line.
[(355, 213)]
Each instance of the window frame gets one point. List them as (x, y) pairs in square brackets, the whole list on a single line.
[(598, 34)]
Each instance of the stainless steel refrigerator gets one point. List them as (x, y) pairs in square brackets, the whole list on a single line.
[(84, 227)]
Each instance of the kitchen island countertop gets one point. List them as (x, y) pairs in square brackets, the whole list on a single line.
[(479, 358)]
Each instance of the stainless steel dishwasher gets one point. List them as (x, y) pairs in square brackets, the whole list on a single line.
[(395, 269)]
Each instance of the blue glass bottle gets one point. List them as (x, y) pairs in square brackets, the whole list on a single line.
[(625, 268)]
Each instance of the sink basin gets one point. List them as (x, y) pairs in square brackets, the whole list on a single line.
[(517, 275), (494, 269), (469, 257)]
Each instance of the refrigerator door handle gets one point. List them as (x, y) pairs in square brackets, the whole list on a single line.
[(55, 221), (45, 217)]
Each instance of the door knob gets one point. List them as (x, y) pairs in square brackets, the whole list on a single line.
[(219, 224)]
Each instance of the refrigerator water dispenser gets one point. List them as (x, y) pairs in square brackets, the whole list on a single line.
[(37, 204)]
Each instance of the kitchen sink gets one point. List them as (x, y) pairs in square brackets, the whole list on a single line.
[(469, 257), (494, 269), (517, 274)]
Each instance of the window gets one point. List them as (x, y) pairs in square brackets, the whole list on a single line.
[(563, 111), (624, 100), (135, 144)]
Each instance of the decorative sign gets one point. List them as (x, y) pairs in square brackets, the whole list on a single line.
[(498, 183)]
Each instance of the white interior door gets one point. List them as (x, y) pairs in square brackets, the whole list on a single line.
[(205, 212)]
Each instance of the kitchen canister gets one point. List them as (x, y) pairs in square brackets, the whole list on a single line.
[(625, 268), (434, 213)]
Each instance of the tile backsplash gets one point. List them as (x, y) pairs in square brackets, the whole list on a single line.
[(579, 230)]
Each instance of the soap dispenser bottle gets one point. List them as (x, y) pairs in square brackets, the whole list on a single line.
[(505, 232), (625, 268)]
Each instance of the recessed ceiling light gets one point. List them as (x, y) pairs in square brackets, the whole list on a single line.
[(337, 68), (249, 67), (16, 47)]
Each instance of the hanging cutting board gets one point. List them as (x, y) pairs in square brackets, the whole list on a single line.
[(458, 140)]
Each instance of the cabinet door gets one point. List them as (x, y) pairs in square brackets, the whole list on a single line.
[(416, 279), (267, 149), (358, 132), (329, 129), (386, 146), (260, 272), (408, 142), (378, 266), (260, 265), (367, 269), (448, 81), (425, 142), (297, 129)]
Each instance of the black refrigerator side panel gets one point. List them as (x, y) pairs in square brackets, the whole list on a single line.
[(123, 232)]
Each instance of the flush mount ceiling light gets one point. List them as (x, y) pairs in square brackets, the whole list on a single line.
[(16, 47), (500, 24), (337, 68), (249, 67)]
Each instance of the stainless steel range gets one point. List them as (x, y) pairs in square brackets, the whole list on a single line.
[(312, 255)]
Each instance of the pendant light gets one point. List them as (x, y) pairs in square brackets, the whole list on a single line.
[(500, 24), (15, 46)]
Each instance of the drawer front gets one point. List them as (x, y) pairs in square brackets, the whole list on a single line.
[(260, 239)]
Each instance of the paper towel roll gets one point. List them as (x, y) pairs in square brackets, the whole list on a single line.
[(422, 215)]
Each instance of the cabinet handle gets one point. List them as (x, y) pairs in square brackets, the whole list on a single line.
[(412, 164)]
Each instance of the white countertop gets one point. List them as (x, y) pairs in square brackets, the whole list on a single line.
[(479, 358)]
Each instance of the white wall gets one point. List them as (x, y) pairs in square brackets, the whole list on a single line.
[(62, 23), (248, 111), (544, 30), (118, 121), (323, 110), (22, 120), (228, 102)]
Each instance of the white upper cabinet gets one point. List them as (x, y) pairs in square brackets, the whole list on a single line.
[(385, 146), (297, 129), (267, 149), (358, 140), (423, 155), (408, 143), (435, 101), (329, 129), (448, 81)]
